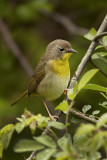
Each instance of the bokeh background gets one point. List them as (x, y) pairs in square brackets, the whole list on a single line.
[(26, 27)]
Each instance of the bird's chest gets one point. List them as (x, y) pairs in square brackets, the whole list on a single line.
[(59, 67), (53, 85)]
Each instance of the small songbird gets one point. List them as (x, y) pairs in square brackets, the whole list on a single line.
[(52, 73)]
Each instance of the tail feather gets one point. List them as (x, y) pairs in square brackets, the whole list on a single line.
[(20, 97)]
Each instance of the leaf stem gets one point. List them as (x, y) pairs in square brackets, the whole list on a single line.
[(53, 133), (67, 115)]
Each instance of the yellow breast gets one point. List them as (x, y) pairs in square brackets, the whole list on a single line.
[(61, 67)]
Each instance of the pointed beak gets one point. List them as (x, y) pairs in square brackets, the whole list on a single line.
[(71, 50)]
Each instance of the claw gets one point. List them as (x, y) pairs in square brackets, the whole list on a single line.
[(66, 90), (53, 118)]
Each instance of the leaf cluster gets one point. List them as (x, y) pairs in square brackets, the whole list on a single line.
[(85, 144)]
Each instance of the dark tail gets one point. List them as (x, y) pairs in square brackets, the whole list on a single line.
[(20, 97)]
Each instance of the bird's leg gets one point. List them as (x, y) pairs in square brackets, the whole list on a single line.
[(66, 90), (53, 118)]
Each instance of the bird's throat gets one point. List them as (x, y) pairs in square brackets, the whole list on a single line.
[(60, 67)]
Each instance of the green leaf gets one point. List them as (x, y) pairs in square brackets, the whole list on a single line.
[(98, 47), (104, 40), (37, 5), (20, 126), (100, 61), (32, 126), (1, 149), (84, 129), (91, 34), (62, 155), (105, 96), (94, 155), (86, 78), (45, 154), (86, 108), (57, 125), (46, 140), (63, 106), (72, 92), (6, 134), (26, 145), (105, 144), (96, 87), (29, 120), (92, 116), (42, 120), (65, 142), (102, 120), (98, 141), (96, 112), (100, 54), (75, 119), (104, 104), (82, 142)]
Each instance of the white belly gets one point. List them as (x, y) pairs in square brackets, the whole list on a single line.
[(52, 86)]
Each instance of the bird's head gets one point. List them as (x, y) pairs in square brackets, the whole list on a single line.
[(59, 50)]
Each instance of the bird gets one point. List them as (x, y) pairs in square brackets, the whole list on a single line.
[(52, 73)]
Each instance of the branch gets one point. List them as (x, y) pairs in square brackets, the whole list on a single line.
[(88, 54), (69, 25), (85, 60), (83, 116), (14, 48), (97, 37), (31, 156), (66, 23)]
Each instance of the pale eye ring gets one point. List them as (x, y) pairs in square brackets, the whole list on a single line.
[(61, 49)]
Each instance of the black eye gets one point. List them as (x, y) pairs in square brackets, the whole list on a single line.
[(61, 49)]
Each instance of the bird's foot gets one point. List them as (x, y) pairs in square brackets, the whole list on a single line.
[(65, 91), (53, 118)]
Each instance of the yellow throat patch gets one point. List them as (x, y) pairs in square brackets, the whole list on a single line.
[(61, 67)]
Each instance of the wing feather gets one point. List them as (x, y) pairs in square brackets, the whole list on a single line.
[(37, 76)]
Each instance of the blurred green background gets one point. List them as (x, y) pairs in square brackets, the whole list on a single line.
[(32, 24)]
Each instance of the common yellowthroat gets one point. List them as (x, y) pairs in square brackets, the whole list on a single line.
[(52, 74)]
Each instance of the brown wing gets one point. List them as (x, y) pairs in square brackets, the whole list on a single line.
[(37, 76)]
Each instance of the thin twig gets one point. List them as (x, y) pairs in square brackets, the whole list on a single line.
[(97, 37), (67, 114), (32, 155), (83, 116), (14, 48)]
